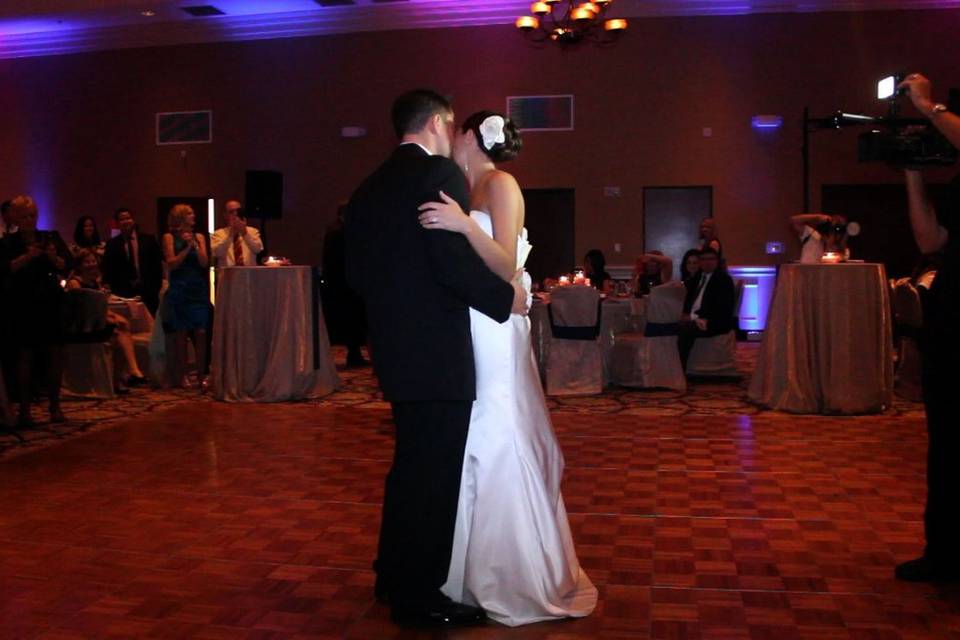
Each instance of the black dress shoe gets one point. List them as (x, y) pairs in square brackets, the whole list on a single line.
[(444, 615), (924, 569), (136, 381)]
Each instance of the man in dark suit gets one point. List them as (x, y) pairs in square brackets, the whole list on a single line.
[(708, 307), (418, 286), (133, 263)]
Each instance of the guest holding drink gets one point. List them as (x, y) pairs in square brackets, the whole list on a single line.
[(33, 262), (186, 303)]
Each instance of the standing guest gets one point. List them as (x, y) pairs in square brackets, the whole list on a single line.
[(709, 237), (33, 262), (343, 308), (235, 244), (651, 270), (819, 233), (939, 345), (708, 307), (8, 349), (86, 275), (7, 224), (133, 263), (87, 238), (187, 301), (689, 264), (595, 268)]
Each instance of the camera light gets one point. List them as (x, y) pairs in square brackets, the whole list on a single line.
[(887, 88)]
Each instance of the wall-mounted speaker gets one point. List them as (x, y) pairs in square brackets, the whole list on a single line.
[(264, 195)]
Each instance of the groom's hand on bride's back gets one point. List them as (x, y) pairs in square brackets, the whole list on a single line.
[(520, 295)]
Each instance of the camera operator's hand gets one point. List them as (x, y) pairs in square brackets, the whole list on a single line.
[(920, 90)]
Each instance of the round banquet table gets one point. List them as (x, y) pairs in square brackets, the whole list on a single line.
[(828, 345), (618, 315), (269, 340)]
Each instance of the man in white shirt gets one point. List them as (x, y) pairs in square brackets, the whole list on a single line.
[(235, 244), (818, 235)]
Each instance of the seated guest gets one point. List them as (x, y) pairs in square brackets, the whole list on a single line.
[(595, 268), (819, 233), (7, 224), (33, 262), (132, 262), (86, 275), (690, 264), (709, 236), (652, 269), (86, 238), (708, 307), (186, 305), (235, 244)]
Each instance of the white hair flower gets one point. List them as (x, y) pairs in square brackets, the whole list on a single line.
[(491, 130)]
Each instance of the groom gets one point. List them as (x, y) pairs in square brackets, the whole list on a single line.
[(418, 286)]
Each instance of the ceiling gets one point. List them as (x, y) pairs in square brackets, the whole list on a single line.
[(50, 27)]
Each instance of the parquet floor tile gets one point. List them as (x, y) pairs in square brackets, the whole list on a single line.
[(697, 517)]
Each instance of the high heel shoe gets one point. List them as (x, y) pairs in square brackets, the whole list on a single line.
[(204, 385)]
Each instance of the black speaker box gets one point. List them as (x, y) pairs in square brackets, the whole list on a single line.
[(264, 195)]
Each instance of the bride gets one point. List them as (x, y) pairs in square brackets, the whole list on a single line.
[(513, 552)]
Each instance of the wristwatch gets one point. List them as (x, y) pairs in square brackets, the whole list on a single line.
[(938, 108)]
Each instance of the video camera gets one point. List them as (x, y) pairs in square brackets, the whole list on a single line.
[(899, 141)]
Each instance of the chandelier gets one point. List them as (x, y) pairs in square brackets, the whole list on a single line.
[(567, 22)]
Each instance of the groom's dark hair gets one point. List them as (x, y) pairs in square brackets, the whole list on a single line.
[(412, 110)]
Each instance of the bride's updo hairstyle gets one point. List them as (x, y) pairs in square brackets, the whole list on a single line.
[(497, 135)]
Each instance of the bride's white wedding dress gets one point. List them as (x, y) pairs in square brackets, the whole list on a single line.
[(513, 551)]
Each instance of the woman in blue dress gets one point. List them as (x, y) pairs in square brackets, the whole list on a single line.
[(186, 304)]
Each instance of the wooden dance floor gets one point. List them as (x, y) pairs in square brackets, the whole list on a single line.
[(206, 520)]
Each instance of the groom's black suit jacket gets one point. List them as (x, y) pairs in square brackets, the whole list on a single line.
[(418, 284)]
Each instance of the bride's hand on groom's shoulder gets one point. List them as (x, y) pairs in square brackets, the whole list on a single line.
[(446, 215)]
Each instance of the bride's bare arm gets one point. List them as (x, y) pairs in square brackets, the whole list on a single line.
[(506, 212)]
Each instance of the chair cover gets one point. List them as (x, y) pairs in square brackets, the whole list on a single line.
[(87, 356), (908, 313), (574, 366), (716, 356), (652, 359)]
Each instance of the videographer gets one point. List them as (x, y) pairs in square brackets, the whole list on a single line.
[(940, 345)]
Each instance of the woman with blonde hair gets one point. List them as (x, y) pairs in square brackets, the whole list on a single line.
[(33, 262), (186, 304)]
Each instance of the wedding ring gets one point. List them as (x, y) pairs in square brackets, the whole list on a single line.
[(435, 220)]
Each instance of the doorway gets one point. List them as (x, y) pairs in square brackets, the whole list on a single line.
[(671, 219), (550, 222)]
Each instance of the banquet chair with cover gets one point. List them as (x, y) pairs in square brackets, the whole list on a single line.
[(574, 364), (651, 359), (715, 357), (908, 314), (87, 354)]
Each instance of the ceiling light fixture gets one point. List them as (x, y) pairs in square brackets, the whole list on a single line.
[(568, 22)]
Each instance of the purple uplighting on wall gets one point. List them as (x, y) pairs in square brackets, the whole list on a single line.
[(114, 24)]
